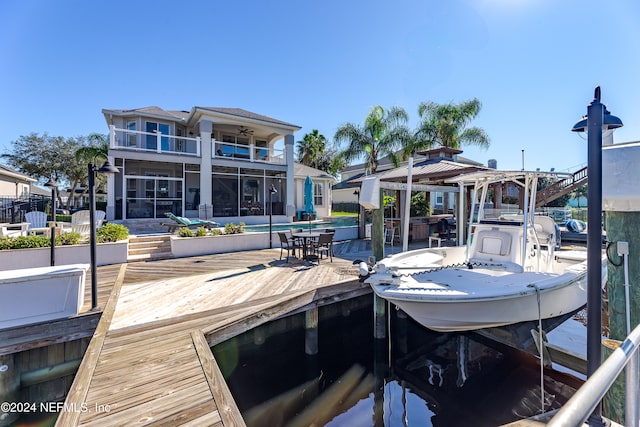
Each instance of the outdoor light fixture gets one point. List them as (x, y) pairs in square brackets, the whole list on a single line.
[(54, 186), (596, 120), (107, 168), (272, 191)]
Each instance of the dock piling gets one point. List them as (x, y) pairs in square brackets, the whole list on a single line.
[(9, 385), (311, 331)]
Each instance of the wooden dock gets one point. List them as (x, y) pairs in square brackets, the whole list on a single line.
[(149, 361)]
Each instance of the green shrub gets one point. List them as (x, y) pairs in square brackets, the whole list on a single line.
[(111, 232), (69, 238), (24, 242), (201, 231), (216, 232), (231, 228), (63, 218), (185, 232)]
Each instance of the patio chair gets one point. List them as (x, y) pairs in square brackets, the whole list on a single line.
[(290, 244), (446, 229), (13, 230), (37, 222), (80, 222), (180, 221), (324, 244)]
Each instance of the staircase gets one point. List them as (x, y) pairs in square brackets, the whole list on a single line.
[(562, 187), (149, 247)]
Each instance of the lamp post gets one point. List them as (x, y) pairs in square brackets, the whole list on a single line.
[(54, 186), (106, 168), (597, 117), (272, 191), (357, 194)]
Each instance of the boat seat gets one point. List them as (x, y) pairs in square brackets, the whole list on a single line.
[(492, 245)]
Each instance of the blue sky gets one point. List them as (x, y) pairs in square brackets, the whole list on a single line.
[(533, 64)]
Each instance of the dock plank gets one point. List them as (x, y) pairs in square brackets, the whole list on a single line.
[(150, 361)]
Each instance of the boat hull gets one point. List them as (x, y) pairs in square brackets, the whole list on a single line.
[(457, 315), (462, 299)]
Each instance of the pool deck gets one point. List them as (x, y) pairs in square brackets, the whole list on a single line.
[(149, 361)]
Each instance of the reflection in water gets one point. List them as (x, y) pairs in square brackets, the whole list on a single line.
[(433, 379)]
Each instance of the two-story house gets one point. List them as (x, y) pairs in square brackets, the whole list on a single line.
[(209, 162)]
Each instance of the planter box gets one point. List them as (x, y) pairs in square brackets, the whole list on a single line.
[(106, 253), (194, 246), (206, 245), (40, 294)]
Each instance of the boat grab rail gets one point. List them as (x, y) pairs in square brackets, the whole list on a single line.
[(469, 265), (585, 400)]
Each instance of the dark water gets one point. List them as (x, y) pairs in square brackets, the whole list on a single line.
[(433, 379)]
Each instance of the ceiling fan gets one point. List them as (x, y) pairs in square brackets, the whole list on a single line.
[(245, 131)]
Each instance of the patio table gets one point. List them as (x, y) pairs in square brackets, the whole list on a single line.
[(307, 238)]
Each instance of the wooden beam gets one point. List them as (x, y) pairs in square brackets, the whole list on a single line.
[(227, 408), (37, 335), (78, 392)]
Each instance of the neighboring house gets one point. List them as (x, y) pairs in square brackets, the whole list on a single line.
[(13, 183), (208, 162), (428, 166), (322, 182)]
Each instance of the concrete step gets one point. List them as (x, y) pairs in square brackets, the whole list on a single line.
[(147, 247), (148, 256), (149, 244)]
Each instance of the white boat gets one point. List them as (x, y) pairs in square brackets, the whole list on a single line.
[(510, 271), (40, 294)]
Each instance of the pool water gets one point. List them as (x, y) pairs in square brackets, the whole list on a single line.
[(334, 222), (416, 378)]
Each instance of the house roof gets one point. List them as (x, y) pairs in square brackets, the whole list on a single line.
[(12, 173), (433, 169), (151, 111), (385, 162), (239, 112), (185, 116), (302, 171)]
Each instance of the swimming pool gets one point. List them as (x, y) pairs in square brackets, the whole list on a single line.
[(332, 223)]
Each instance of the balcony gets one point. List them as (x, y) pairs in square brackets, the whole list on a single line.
[(251, 153), (123, 139), (156, 142)]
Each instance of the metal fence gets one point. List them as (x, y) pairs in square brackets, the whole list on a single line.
[(12, 209), (346, 207)]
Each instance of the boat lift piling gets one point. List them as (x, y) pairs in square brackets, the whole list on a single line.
[(621, 201)]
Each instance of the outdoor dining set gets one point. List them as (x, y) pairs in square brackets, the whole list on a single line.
[(309, 245)]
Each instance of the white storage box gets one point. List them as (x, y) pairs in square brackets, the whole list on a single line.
[(621, 177), (39, 294)]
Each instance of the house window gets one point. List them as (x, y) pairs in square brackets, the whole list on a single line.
[(439, 198), (318, 193), (234, 146), (152, 197), (152, 140), (131, 136)]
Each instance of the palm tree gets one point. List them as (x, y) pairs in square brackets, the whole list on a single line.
[(97, 149), (381, 135), (446, 124), (311, 148)]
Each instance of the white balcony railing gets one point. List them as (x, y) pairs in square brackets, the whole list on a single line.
[(170, 144), (153, 141), (249, 152)]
